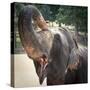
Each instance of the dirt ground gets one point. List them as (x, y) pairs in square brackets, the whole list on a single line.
[(25, 74)]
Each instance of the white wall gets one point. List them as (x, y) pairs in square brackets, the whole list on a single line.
[(25, 74)]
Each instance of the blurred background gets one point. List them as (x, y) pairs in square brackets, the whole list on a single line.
[(73, 18)]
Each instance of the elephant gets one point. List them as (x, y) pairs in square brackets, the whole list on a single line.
[(55, 53)]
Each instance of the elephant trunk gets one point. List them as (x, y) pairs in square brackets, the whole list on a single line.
[(28, 36)]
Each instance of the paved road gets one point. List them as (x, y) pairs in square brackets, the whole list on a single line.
[(25, 75)]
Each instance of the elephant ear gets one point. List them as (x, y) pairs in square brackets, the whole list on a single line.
[(73, 59)]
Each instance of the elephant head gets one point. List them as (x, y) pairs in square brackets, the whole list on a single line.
[(35, 43)]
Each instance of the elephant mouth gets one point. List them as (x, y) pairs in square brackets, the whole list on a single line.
[(42, 68)]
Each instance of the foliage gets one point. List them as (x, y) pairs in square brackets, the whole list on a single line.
[(45, 10), (18, 8), (76, 16)]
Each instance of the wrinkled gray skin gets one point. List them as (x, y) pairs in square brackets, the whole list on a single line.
[(78, 75), (55, 45)]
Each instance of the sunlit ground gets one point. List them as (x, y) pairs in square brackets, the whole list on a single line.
[(25, 74)]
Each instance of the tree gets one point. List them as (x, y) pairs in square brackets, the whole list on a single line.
[(76, 16), (48, 11), (45, 10)]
